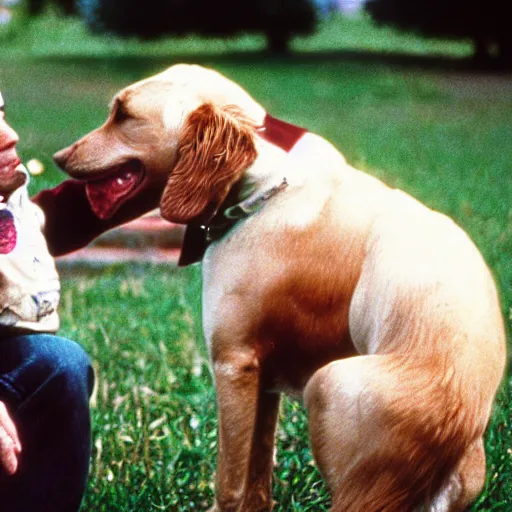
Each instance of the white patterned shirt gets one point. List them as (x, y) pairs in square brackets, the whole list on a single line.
[(29, 282)]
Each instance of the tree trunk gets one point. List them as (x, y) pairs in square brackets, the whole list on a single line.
[(505, 52), (35, 7), (481, 53), (278, 41)]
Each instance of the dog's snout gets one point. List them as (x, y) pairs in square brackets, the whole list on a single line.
[(61, 157)]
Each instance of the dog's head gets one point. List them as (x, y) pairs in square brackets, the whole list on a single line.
[(188, 131)]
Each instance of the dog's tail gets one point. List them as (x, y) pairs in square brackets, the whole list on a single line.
[(400, 429)]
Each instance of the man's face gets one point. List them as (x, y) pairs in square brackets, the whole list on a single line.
[(10, 177)]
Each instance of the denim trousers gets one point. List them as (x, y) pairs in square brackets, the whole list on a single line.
[(46, 382)]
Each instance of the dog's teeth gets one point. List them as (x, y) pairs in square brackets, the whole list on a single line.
[(123, 179)]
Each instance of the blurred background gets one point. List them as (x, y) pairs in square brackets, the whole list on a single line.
[(418, 94)]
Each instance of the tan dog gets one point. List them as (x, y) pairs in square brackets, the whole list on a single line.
[(318, 280)]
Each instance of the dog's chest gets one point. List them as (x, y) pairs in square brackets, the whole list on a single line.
[(285, 295)]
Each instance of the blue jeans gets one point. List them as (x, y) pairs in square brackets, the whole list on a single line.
[(45, 382)]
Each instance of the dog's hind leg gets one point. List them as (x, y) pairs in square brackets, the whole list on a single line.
[(387, 433), (471, 474), (464, 485)]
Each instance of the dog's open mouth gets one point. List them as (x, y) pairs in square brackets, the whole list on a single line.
[(119, 183)]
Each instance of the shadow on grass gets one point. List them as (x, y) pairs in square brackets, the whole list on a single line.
[(245, 58)]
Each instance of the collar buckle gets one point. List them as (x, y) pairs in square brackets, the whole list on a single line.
[(254, 203)]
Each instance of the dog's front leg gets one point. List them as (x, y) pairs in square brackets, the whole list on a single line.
[(247, 422)]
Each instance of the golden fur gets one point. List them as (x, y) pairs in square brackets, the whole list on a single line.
[(376, 310), (218, 139)]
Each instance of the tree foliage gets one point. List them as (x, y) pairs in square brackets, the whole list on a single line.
[(279, 20), (486, 23), (35, 7)]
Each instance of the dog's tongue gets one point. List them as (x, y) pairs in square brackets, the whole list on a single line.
[(105, 195)]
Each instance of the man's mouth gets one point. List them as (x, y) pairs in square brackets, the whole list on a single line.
[(11, 178), (116, 186)]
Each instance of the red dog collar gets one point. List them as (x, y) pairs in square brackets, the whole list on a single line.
[(275, 131), (280, 133)]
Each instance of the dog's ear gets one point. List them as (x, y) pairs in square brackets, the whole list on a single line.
[(216, 147)]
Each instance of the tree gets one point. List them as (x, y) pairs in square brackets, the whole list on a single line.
[(279, 20), (35, 7), (486, 23)]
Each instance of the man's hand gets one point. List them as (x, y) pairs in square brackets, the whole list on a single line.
[(10, 446)]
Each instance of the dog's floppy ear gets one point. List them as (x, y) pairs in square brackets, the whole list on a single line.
[(216, 147)]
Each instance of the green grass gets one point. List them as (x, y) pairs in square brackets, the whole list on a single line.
[(408, 111)]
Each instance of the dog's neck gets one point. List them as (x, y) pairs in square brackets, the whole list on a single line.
[(263, 180), (267, 175), (267, 171)]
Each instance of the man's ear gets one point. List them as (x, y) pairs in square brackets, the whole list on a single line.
[(216, 147)]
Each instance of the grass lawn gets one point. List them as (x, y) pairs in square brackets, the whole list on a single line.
[(408, 111)]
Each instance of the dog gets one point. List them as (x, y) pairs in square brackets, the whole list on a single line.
[(318, 280)]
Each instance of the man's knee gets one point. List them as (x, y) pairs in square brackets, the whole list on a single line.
[(37, 362), (66, 361)]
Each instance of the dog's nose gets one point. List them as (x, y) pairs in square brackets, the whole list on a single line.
[(61, 157)]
